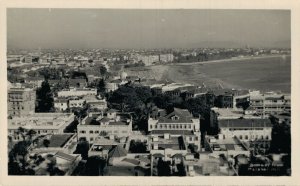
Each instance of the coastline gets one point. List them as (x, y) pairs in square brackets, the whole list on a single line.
[(228, 60)]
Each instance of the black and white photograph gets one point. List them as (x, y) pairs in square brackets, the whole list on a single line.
[(148, 92)]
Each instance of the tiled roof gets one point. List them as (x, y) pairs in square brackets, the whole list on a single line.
[(226, 123), (58, 140), (184, 116), (118, 151)]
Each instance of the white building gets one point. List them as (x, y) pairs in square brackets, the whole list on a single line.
[(269, 103), (61, 104), (110, 123), (76, 103), (246, 129), (166, 58), (178, 123), (41, 123), (77, 92)]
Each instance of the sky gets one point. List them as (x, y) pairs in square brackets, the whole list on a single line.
[(116, 28)]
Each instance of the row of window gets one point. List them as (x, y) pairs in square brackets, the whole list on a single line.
[(163, 126), (234, 129), (246, 137), (97, 132)]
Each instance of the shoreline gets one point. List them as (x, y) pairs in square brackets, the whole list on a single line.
[(225, 60)]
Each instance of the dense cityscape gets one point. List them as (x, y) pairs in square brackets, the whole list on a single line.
[(91, 112)]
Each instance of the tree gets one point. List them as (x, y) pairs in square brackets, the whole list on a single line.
[(95, 166), (103, 71), (46, 143), (83, 148), (101, 86), (44, 98), (30, 134)]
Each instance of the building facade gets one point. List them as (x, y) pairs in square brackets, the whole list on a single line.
[(21, 101)]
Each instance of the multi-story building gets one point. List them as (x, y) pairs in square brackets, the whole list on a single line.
[(245, 129), (108, 123), (77, 92), (178, 123), (269, 103), (41, 123), (21, 101)]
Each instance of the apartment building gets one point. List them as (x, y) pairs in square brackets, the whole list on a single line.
[(110, 123), (20, 101)]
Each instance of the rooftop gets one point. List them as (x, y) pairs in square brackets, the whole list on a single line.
[(177, 116), (245, 123)]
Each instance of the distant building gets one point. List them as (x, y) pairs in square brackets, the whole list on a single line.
[(112, 85), (148, 59), (41, 123), (35, 81), (21, 101), (166, 58), (110, 123)]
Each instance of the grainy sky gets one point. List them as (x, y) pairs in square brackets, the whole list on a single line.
[(115, 28)]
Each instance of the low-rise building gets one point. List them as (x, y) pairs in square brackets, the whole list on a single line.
[(76, 103), (245, 129), (61, 104), (41, 123), (77, 92)]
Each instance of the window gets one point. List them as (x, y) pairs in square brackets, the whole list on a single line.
[(241, 137), (82, 132), (191, 138), (92, 139), (150, 126), (196, 138), (91, 132), (246, 137), (267, 137), (97, 131)]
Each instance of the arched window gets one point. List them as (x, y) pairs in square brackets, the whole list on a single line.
[(246, 137), (241, 137)]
